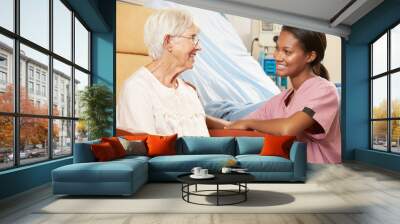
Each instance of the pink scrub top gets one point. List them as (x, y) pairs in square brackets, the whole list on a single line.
[(321, 96)]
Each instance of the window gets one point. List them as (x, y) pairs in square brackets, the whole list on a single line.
[(62, 74), (81, 81), (385, 95), (30, 87), (6, 142), (35, 22), (7, 14), (37, 74), (37, 89), (3, 72), (55, 102), (3, 61), (81, 45), (7, 74), (41, 84), (30, 73), (3, 78), (62, 137), (62, 29), (44, 91)]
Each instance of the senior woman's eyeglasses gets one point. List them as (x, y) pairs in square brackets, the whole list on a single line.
[(195, 39)]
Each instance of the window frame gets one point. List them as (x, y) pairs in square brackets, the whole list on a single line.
[(16, 114), (388, 74)]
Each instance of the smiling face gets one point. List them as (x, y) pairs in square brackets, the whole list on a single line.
[(290, 57), (184, 47)]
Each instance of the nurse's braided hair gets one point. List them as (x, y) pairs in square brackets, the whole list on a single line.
[(312, 41)]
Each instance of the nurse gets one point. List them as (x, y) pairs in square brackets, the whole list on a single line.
[(308, 110)]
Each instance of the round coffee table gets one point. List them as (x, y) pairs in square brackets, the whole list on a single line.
[(238, 179)]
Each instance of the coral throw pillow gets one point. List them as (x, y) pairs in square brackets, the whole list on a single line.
[(103, 152), (139, 137), (277, 146), (234, 133), (116, 145), (161, 145)]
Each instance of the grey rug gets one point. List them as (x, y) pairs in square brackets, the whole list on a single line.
[(166, 198)]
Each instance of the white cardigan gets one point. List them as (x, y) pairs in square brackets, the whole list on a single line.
[(146, 105)]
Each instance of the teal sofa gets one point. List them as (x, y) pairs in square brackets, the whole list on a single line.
[(125, 176)]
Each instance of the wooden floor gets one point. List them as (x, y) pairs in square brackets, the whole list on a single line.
[(377, 188)]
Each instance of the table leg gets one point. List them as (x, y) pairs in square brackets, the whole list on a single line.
[(182, 190), (245, 193), (217, 194), (188, 190)]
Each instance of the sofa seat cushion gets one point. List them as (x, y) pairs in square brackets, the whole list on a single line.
[(112, 171), (133, 158), (185, 163), (257, 163)]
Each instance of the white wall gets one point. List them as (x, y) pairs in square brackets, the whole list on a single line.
[(243, 27), (333, 58)]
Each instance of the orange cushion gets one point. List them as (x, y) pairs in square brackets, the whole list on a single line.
[(161, 145), (136, 137), (234, 133), (277, 145), (116, 145), (103, 151)]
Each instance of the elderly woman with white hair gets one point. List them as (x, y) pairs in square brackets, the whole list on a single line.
[(154, 99)]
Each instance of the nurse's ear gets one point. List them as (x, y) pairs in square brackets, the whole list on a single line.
[(311, 56)]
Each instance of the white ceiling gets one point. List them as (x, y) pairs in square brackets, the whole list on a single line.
[(328, 16)]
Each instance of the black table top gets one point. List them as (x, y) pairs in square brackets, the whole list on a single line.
[(220, 178)]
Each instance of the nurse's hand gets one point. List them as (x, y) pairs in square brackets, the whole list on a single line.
[(240, 124)]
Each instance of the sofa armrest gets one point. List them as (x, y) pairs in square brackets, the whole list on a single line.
[(298, 155), (83, 152)]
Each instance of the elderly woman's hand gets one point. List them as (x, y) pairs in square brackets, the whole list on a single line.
[(240, 124)]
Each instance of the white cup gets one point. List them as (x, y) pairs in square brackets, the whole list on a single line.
[(196, 171), (203, 172), (226, 170)]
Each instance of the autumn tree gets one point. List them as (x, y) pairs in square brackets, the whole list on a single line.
[(6, 122), (33, 131), (380, 127)]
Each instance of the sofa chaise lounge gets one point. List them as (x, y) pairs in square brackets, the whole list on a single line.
[(125, 176)]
